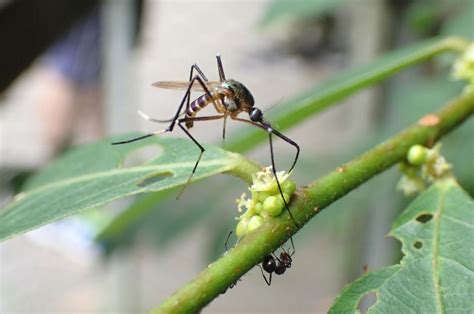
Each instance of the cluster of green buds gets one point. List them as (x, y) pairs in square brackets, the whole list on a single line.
[(266, 200), (421, 167), (463, 68)]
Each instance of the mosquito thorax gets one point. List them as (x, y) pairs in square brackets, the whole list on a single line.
[(241, 98)]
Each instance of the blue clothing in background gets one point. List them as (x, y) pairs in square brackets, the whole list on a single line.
[(77, 55)]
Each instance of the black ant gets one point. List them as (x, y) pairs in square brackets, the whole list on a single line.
[(272, 264)]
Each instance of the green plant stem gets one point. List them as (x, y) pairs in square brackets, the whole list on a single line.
[(309, 201)]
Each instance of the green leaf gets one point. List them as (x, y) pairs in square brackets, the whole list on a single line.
[(280, 9), (461, 24), (436, 274), (95, 174), (423, 15)]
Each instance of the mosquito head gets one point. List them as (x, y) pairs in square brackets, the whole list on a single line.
[(256, 115)]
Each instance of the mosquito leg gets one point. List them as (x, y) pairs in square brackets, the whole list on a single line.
[(198, 69), (223, 132), (197, 161), (269, 280), (276, 178), (271, 131), (200, 74), (138, 138), (186, 99), (286, 139), (200, 77), (188, 96), (147, 117), (195, 142), (176, 116), (220, 68), (267, 127)]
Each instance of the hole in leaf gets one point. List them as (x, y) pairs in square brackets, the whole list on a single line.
[(424, 218), (154, 178), (367, 301), (139, 156), (418, 245)]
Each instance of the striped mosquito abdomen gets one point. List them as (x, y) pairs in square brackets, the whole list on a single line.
[(196, 105)]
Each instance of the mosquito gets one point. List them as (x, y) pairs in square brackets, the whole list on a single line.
[(229, 98)]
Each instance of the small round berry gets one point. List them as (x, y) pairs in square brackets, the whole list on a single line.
[(273, 205), (258, 208), (242, 227), (254, 222), (288, 187), (286, 196), (262, 196), (417, 155)]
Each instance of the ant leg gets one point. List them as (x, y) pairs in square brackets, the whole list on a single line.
[(220, 68), (195, 142), (269, 280), (227, 240), (292, 246)]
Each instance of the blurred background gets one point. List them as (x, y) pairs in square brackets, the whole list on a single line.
[(73, 72)]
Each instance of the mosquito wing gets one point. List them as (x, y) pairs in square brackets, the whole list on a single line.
[(183, 85)]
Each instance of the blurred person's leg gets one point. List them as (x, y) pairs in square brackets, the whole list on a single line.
[(89, 124), (70, 93), (56, 109)]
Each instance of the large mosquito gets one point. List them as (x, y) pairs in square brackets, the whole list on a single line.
[(229, 98)]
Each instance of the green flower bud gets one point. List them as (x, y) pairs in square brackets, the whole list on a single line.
[(254, 222), (273, 205), (258, 208), (417, 155), (286, 196), (255, 195), (242, 227), (262, 196), (288, 187), (408, 169), (410, 185)]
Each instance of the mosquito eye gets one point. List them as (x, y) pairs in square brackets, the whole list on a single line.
[(256, 115)]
